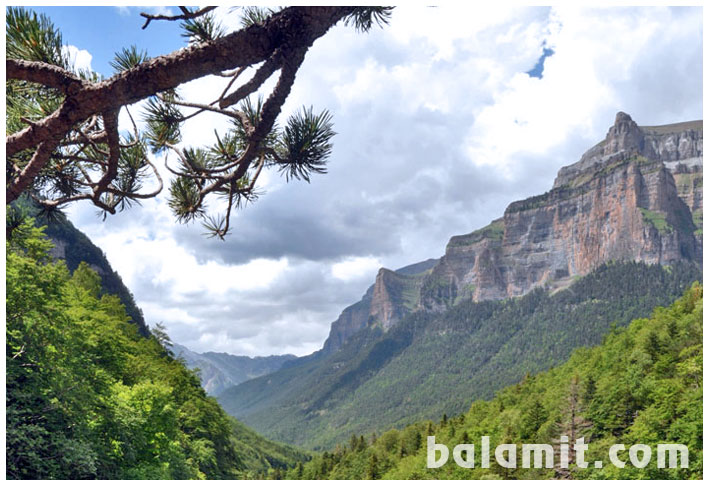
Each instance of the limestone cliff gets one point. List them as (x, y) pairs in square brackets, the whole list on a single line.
[(671, 144), (637, 195), (393, 295), (351, 320)]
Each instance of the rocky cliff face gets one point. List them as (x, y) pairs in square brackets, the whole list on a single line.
[(637, 195), (689, 182), (393, 295), (351, 320), (671, 144)]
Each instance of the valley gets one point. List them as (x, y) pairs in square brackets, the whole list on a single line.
[(618, 234), (354, 242)]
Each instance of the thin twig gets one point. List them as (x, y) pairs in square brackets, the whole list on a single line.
[(186, 15)]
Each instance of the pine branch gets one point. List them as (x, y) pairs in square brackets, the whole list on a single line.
[(45, 74), (81, 138), (241, 48)]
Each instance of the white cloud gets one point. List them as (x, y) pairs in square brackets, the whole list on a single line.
[(444, 30), (356, 267), (169, 313), (439, 128), (79, 59), (124, 10), (585, 81), (161, 10), (177, 270)]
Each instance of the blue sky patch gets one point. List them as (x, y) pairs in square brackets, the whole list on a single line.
[(103, 31), (538, 69)]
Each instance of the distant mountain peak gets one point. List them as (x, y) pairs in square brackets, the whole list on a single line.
[(219, 371), (624, 135), (622, 117)]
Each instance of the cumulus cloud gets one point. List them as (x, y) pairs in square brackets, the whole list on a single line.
[(79, 59), (356, 267), (439, 128), (589, 79)]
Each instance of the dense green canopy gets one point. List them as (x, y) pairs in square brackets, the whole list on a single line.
[(88, 397)]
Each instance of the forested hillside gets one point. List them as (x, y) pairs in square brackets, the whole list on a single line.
[(74, 247), (88, 397), (643, 385), (430, 364)]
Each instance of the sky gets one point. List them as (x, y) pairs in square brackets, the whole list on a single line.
[(443, 118)]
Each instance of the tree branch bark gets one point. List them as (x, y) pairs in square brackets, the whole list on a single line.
[(260, 76), (293, 27), (45, 74), (280, 42), (23, 180)]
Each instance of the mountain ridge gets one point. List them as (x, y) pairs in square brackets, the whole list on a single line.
[(219, 371), (640, 163)]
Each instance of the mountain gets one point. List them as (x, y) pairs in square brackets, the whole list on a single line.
[(643, 385), (392, 295), (637, 195), (74, 247), (516, 296), (429, 364), (219, 371)]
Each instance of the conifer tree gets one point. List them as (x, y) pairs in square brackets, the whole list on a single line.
[(373, 467), (573, 425), (63, 140)]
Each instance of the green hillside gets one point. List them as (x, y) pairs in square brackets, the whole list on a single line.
[(431, 364), (88, 397), (76, 247), (643, 385)]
